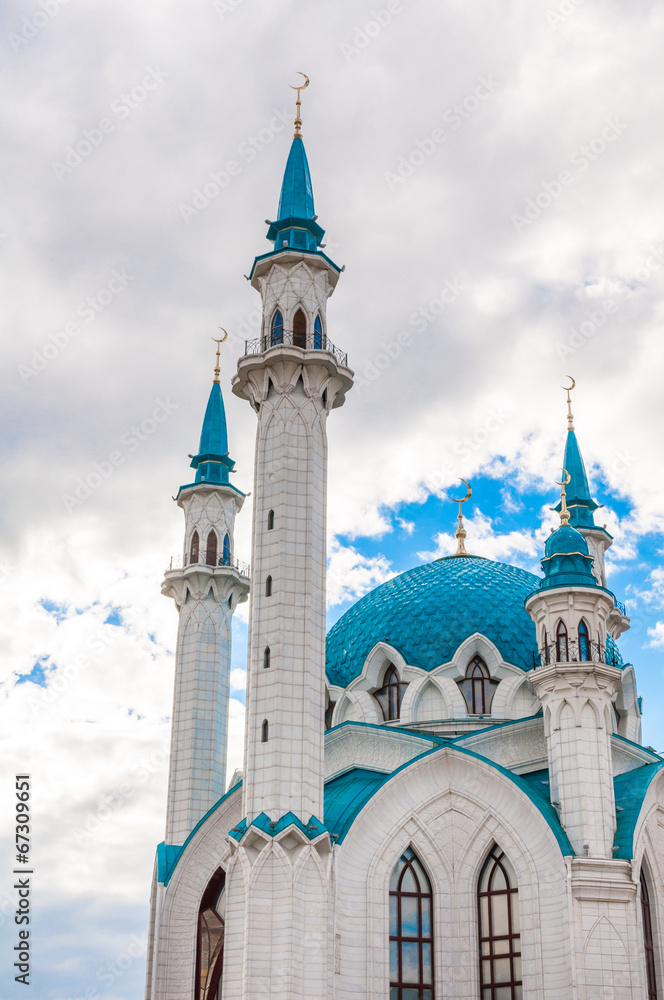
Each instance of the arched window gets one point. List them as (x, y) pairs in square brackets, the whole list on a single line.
[(266, 658), (478, 688), (545, 649), (648, 942), (226, 557), (318, 334), (210, 940), (270, 520), (584, 641), (211, 548), (299, 329), (268, 586), (390, 695), (411, 931), (500, 941), (194, 548), (277, 331), (561, 643), (265, 731)]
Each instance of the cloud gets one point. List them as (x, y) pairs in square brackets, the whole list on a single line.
[(351, 574)]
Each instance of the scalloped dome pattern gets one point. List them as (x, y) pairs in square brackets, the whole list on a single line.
[(427, 612)]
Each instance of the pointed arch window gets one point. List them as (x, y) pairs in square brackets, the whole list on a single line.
[(411, 930), (499, 931), (210, 938), (584, 642), (545, 651), (226, 552), (390, 696), (648, 940), (561, 643), (478, 688), (270, 520), (266, 658), (318, 334), (194, 548), (277, 329), (211, 548), (265, 731), (299, 329), (268, 586)]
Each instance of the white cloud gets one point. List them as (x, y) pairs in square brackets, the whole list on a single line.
[(350, 574), (657, 636)]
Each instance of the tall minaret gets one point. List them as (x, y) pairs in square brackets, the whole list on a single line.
[(206, 585), (292, 376)]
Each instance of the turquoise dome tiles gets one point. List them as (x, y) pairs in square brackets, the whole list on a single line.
[(427, 612)]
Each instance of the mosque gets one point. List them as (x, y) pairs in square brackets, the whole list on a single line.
[(446, 796)]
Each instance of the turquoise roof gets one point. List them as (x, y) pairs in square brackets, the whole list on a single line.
[(579, 501), (630, 790), (427, 612), (212, 463), (567, 562), (296, 225)]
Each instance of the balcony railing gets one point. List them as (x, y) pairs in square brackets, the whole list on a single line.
[(577, 651), (621, 607), (309, 342), (178, 562)]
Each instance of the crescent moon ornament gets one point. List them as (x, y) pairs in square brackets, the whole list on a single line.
[(298, 104), (467, 496), (565, 482), (460, 533), (219, 341), (303, 86), (570, 415), (568, 388), (225, 335)]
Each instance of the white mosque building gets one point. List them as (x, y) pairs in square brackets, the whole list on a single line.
[(447, 796)]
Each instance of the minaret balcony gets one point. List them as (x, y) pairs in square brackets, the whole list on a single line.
[(288, 338), (227, 562), (575, 651)]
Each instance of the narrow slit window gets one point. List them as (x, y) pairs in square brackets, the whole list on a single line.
[(268, 587), (584, 642), (318, 334), (194, 548), (265, 731), (270, 520), (226, 557), (299, 329), (277, 330), (266, 658), (211, 549)]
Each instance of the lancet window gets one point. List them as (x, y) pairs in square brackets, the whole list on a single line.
[(584, 641), (210, 939), (277, 330), (389, 697), (226, 557), (268, 586), (211, 548), (648, 940), (194, 548), (318, 334), (478, 688), (411, 930), (299, 329), (270, 520), (265, 731), (499, 932), (266, 658), (562, 655)]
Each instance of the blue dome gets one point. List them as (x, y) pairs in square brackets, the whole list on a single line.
[(565, 539), (566, 561), (427, 612)]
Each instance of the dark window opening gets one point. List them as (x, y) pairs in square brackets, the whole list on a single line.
[(584, 641), (389, 697), (270, 520), (268, 587), (210, 938), (318, 334), (411, 930), (478, 689), (266, 658), (277, 331), (648, 942), (226, 554), (561, 643), (329, 712), (500, 941), (265, 731), (211, 549), (299, 329), (194, 548)]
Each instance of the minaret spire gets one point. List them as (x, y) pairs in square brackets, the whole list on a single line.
[(460, 533), (298, 105)]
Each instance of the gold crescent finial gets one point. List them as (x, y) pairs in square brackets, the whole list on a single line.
[(298, 104), (570, 415), (460, 533), (564, 513), (219, 341)]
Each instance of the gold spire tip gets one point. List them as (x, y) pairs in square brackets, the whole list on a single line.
[(564, 512), (460, 533), (219, 341), (570, 415), (298, 105)]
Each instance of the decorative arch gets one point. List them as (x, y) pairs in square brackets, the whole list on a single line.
[(194, 548), (299, 329), (211, 548), (411, 930), (477, 687), (499, 930), (390, 695), (277, 329), (210, 938)]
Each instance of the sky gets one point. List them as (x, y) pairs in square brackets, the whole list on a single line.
[(489, 175)]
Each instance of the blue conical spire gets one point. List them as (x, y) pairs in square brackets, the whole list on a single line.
[(212, 462), (579, 501), (295, 226)]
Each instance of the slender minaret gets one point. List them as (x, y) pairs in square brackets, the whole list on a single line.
[(292, 376), (206, 585)]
